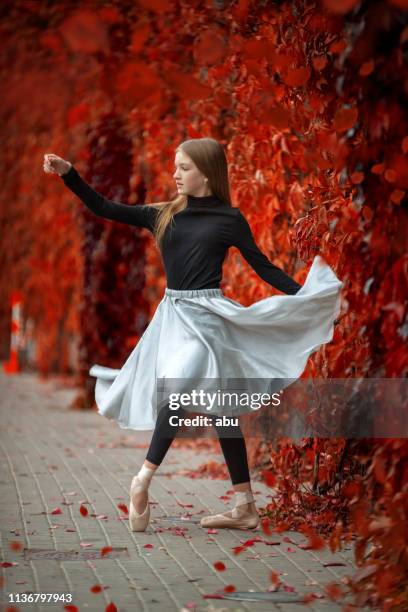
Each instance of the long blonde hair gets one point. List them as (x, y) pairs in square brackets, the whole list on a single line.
[(209, 157)]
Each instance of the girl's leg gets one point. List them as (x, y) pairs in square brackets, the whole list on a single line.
[(163, 436), (233, 446)]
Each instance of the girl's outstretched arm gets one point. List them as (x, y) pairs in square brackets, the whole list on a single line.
[(243, 239), (140, 215)]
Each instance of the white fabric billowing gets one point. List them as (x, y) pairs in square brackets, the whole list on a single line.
[(200, 334)]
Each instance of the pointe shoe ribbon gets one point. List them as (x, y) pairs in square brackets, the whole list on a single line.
[(237, 520), (138, 522)]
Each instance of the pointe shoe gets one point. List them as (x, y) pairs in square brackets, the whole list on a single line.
[(140, 482), (138, 522), (235, 519)]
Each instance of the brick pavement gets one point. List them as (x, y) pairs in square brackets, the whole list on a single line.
[(54, 457)]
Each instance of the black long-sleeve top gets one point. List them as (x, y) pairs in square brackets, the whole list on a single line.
[(194, 247)]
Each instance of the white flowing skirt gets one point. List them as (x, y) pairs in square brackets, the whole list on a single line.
[(200, 335)]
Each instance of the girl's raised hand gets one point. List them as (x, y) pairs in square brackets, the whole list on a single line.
[(55, 165)]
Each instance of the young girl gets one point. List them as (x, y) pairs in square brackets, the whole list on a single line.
[(196, 332)]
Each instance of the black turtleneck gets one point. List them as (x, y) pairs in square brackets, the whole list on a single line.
[(196, 242)]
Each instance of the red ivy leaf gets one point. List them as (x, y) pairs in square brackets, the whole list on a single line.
[(340, 7), (379, 469), (219, 566), (109, 14), (269, 478), (319, 62), (345, 119), (274, 577), (333, 590), (124, 508), (265, 526), (367, 68), (250, 542), (378, 168), (83, 510), (390, 175), (397, 195), (357, 178), (296, 77)]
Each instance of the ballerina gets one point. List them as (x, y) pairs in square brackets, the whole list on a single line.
[(197, 333)]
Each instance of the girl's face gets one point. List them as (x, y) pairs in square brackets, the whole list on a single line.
[(189, 180)]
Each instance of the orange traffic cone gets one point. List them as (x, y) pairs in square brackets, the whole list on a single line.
[(12, 366)]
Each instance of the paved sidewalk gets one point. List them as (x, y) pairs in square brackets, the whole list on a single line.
[(56, 459)]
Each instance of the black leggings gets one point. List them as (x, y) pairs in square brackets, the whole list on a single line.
[(233, 448)]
